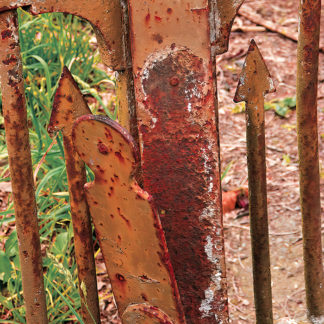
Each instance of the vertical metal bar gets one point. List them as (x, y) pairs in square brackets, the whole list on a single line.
[(69, 104), (307, 81), (173, 76), (125, 83), (254, 82), (17, 137)]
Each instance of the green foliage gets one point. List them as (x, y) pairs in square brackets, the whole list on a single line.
[(281, 107), (48, 42)]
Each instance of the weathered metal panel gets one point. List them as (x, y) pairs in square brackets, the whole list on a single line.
[(69, 104), (21, 172), (223, 14), (173, 52), (307, 82), (104, 15), (255, 82), (128, 229)]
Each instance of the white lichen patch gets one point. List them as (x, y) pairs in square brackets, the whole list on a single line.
[(206, 306), (317, 319)]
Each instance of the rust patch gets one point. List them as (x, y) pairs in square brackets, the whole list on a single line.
[(157, 18), (147, 18), (6, 34), (11, 60), (180, 170), (102, 148), (157, 38)]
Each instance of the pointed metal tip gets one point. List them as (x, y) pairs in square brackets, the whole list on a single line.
[(68, 104), (255, 76), (225, 13)]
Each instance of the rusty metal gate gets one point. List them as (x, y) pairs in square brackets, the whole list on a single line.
[(163, 247)]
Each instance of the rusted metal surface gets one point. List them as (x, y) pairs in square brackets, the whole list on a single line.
[(223, 14), (21, 173), (255, 82), (128, 229), (307, 81), (69, 104), (125, 85), (173, 50), (145, 314), (104, 15)]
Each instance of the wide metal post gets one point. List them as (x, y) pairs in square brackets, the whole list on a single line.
[(21, 172), (174, 45), (307, 81)]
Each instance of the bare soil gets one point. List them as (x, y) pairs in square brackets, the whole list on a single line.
[(279, 53)]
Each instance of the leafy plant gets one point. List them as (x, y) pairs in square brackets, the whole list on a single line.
[(281, 107), (48, 42)]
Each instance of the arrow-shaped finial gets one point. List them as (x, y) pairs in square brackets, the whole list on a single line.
[(255, 78), (255, 82), (69, 104)]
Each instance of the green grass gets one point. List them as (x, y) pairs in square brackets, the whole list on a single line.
[(48, 42)]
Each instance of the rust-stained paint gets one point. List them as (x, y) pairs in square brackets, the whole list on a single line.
[(69, 104), (104, 15), (255, 82), (145, 314), (17, 138), (307, 81), (173, 50), (128, 228), (223, 14)]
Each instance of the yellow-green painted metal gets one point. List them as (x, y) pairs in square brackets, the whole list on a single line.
[(127, 226), (255, 82)]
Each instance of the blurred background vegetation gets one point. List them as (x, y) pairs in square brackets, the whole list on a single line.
[(48, 42)]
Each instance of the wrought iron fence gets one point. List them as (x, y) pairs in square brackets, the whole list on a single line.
[(165, 261)]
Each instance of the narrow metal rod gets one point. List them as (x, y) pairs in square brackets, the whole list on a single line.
[(255, 82), (258, 211), (83, 243), (68, 105), (17, 137), (307, 82)]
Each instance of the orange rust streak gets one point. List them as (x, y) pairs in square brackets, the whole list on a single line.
[(17, 138), (127, 227)]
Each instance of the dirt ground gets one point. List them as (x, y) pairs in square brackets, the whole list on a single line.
[(279, 53)]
